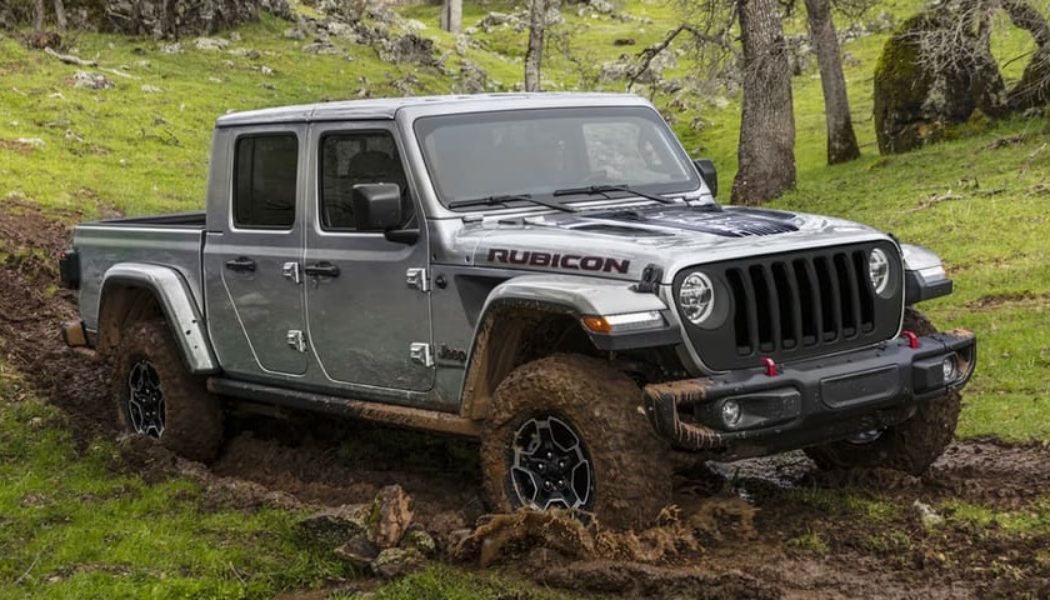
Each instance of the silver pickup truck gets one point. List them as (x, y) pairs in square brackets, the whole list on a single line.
[(547, 273)]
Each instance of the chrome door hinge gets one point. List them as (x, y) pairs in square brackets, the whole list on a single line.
[(421, 353), (290, 270), (296, 340), (418, 278)]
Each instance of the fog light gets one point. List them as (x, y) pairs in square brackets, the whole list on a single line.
[(951, 368), (730, 412)]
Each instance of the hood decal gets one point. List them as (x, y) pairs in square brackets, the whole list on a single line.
[(734, 223)]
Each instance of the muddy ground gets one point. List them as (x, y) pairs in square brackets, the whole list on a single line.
[(764, 528)]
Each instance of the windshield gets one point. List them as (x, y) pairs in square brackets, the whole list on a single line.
[(538, 151)]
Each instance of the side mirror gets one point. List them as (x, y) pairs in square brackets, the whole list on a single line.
[(708, 173), (377, 206)]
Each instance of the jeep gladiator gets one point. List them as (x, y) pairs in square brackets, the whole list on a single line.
[(548, 273)]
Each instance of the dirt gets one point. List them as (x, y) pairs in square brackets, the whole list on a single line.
[(762, 528)]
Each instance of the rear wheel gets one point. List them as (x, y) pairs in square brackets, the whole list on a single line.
[(911, 446), (566, 432), (157, 397)]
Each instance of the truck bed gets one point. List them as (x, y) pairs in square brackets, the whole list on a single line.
[(174, 240), (180, 220)]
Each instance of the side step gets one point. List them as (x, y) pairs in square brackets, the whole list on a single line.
[(399, 416)]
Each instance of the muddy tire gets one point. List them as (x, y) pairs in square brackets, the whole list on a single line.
[(156, 396), (588, 416), (911, 446)]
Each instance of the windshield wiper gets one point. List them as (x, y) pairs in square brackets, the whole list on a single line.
[(604, 190), (505, 198)]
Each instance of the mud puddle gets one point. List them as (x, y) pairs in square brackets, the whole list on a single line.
[(763, 528)]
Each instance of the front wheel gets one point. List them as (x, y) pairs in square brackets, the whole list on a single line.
[(157, 397), (911, 446), (566, 432)]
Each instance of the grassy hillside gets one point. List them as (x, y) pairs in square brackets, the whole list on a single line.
[(139, 151)]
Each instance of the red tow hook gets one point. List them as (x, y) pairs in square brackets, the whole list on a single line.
[(913, 340), (771, 366)]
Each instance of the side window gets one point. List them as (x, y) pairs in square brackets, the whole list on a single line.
[(264, 184), (350, 159)]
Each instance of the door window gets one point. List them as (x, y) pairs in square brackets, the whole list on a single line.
[(351, 159), (265, 172)]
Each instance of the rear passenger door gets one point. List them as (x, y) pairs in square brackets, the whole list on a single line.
[(254, 288), (368, 325)]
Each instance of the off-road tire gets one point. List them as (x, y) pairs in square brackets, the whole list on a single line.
[(911, 446), (632, 472), (192, 416)]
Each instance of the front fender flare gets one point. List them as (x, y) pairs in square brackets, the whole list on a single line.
[(176, 301), (493, 354)]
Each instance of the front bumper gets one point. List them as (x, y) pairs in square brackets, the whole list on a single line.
[(809, 402)]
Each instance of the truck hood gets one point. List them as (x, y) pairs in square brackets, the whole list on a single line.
[(621, 242)]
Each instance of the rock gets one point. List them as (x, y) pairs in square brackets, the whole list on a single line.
[(419, 540), (320, 47), (151, 89), (266, 70), (471, 79), (916, 103), (294, 33), (391, 516), (134, 17), (398, 562), (623, 42), (92, 81), (602, 6), (927, 516), (335, 527), (414, 25), (34, 142), (175, 48), (246, 52), (211, 44), (234, 36), (359, 552), (341, 30)]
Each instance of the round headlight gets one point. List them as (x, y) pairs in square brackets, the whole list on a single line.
[(697, 298), (878, 270)]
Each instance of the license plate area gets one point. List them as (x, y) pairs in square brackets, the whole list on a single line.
[(861, 388)]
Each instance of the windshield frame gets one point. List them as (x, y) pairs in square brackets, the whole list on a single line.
[(691, 184)]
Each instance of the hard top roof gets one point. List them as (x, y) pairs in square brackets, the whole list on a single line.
[(387, 108)]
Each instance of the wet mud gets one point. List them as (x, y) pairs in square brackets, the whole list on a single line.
[(765, 528)]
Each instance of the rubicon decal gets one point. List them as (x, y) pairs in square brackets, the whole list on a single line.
[(571, 262)]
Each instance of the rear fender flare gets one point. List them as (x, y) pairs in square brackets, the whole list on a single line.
[(175, 299)]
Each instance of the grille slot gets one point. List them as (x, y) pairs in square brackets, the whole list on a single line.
[(797, 305)]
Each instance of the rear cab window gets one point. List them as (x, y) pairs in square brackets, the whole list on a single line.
[(265, 174)]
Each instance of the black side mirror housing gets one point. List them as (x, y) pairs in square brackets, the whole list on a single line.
[(377, 206), (708, 173)]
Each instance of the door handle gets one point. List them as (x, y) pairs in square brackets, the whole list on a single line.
[(241, 264), (322, 269)]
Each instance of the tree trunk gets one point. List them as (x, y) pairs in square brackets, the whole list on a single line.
[(842, 141), (767, 127), (38, 16), (534, 53), (452, 16), (60, 15)]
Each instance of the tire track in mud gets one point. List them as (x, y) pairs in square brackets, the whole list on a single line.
[(319, 461)]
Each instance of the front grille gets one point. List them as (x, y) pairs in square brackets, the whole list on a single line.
[(797, 305)]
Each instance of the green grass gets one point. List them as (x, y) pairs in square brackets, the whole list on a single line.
[(73, 527)]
